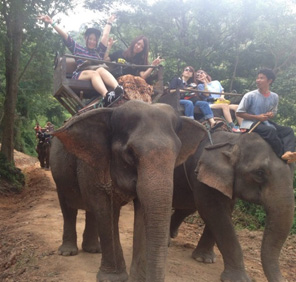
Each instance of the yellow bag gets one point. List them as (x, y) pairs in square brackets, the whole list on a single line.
[(222, 102)]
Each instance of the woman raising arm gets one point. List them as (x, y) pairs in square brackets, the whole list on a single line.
[(93, 50)]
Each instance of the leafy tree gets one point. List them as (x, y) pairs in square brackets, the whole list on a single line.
[(18, 27)]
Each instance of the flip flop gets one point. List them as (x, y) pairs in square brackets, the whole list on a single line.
[(217, 125)]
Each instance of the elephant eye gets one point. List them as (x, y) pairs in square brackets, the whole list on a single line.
[(259, 175)]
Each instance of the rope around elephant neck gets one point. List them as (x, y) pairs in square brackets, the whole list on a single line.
[(186, 175)]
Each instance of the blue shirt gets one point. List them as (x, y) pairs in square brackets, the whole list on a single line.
[(213, 86), (255, 103)]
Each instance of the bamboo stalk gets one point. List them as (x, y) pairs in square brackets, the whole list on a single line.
[(254, 126), (111, 63), (203, 91)]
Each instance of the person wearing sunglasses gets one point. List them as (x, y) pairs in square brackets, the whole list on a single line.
[(216, 101), (186, 80)]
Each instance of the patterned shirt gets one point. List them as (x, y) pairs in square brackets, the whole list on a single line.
[(78, 50)]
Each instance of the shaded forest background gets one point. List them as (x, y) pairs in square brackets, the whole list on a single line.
[(230, 39)]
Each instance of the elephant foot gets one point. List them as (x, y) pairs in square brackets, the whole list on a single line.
[(235, 276), (112, 277), (174, 233), (204, 256), (136, 279), (92, 247), (68, 249)]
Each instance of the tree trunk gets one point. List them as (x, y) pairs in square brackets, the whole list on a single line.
[(234, 70), (14, 23)]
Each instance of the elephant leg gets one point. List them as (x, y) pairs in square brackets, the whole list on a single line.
[(39, 152), (176, 220), (42, 153), (113, 266), (204, 251), (216, 210), (69, 245), (47, 156), (91, 243)]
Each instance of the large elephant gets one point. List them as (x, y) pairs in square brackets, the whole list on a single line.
[(109, 157), (236, 166)]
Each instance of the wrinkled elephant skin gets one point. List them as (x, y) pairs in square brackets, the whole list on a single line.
[(113, 156), (236, 166)]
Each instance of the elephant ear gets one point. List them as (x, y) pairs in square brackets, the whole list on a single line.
[(88, 136), (191, 134), (216, 167)]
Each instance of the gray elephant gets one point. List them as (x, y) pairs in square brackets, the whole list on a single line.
[(109, 157), (237, 166)]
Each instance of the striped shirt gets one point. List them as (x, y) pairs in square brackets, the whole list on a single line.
[(78, 50)]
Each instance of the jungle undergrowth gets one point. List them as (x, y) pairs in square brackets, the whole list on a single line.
[(12, 180)]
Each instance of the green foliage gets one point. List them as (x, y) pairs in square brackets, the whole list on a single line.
[(11, 178), (248, 215), (252, 217)]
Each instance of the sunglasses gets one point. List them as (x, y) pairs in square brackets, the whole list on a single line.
[(188, 69)]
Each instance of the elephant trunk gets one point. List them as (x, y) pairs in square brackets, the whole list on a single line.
[(156, 201), (279, 220)]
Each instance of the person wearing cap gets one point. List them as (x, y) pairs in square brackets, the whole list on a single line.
[(133, 80), (93, 50)]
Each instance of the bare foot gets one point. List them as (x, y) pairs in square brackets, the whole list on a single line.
[(289, 156)]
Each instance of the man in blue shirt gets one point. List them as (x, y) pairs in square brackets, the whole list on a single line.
[(257, 108)]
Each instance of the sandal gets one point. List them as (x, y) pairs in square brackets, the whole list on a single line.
[(217, 125)]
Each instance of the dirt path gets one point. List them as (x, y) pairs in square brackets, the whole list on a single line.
[(31, 231)]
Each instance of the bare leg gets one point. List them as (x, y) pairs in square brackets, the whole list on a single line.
[(96, 80), (107, 77), (211, 121), (225, 109), (234, 108)]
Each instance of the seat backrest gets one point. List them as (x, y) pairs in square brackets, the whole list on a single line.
[(70, 66)]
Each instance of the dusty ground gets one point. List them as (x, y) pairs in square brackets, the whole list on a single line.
[(31, 231)]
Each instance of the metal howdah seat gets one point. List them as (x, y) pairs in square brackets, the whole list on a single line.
[(73, 94)]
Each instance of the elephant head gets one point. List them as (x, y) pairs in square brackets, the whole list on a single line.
[(244, 166), (138, 146)]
